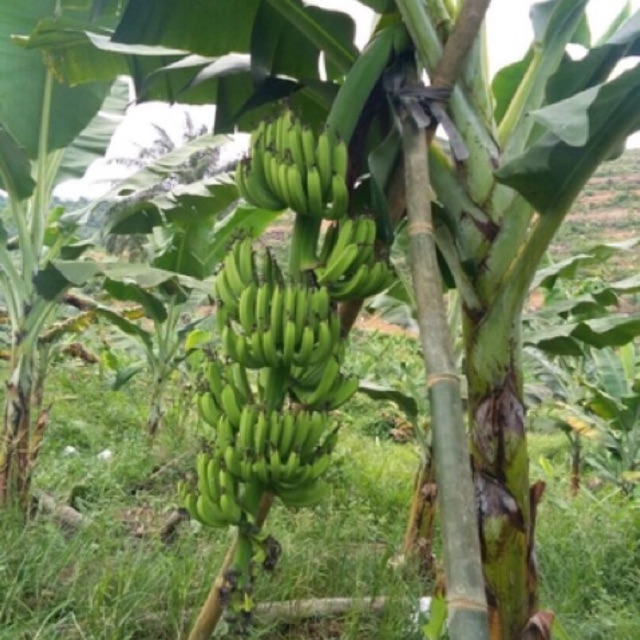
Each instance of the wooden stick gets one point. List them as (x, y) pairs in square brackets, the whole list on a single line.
[(292, 610)]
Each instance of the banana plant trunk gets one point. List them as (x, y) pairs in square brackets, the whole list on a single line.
[(156, 410), (15, 447), (506, 502)]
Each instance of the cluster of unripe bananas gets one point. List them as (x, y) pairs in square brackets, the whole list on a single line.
[(290, 326), (284, 451), (218, 502), (267, 401), (349, 267), (290, 167)]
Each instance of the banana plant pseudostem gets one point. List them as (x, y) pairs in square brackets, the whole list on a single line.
[(49, 132)]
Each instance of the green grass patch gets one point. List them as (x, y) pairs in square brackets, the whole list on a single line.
[(115, 580)]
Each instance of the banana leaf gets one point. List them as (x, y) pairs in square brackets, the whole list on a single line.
[(15, 169), (568, 268), (570, 338), (71, 108), (581, 132), (92, 143), (59, 275)]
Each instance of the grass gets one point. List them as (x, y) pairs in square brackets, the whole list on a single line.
[(115, 580)]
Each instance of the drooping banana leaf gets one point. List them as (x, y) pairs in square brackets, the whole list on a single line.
[(59, 275), (568, 268), (581, 132), (21, 109), (569, 338), (15, 169), (91, 144), (595, 67)]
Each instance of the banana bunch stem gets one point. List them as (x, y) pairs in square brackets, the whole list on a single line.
[(304, 241), (238, 585), (213, 607), (275, 387)]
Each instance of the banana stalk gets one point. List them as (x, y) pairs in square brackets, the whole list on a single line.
[(304, 240), (213, 607), (362, 78)]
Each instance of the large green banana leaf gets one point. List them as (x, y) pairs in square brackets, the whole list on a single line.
[(210, 28), (554, 24), (22, 85), (285, 40), (547, 276), (59, 275), (91, 144), (581, 132), (568, 338), (595, 67), (174, 185), (379, 6), (215, 29), (15, 169)]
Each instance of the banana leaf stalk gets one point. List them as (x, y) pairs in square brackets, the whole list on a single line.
[(467, 607)]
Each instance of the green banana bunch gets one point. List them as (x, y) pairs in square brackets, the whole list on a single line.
[(277, 450), (237, 272), (303, 495), (228, 388), (289, 166), (218, 501), (281, 326), (324, 387), (292, 450), (350, 268)]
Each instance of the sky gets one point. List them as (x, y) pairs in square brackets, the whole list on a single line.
[(509, 34)]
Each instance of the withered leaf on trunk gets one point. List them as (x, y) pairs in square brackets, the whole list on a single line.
[(539, 626)]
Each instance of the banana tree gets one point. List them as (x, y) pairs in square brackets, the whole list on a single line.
[(187, 228), (49, 133), (583, 354), (523, 145)]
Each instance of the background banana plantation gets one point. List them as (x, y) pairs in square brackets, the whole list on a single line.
[(204, 434)]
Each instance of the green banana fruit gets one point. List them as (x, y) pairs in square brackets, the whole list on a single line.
[(337, 266), (230, 406), (210, 514), (315, 200), (324, 159), (296, 190), (247, 308), (245, 437), (353, 287), (309, 147), (208, 409), (340, 158), (341, 392), (339, 199)]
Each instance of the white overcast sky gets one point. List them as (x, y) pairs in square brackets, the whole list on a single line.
[(509, 34)]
